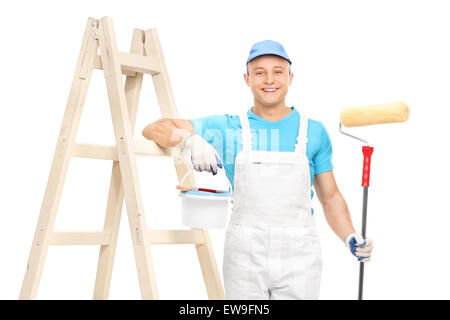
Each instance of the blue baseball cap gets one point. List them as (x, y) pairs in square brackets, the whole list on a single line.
[(267, 47)]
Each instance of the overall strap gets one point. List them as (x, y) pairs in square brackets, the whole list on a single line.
[(302, 137), (246, 133)]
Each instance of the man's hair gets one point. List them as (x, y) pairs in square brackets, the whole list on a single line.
[(289, 69)]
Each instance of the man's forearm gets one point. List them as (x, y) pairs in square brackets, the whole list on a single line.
[(338, 216), (166, 133)]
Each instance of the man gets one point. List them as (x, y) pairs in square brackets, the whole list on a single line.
[(272, 248)]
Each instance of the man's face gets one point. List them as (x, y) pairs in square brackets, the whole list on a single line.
[(269, 79)]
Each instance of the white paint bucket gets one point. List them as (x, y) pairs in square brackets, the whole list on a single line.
[(205, 209)]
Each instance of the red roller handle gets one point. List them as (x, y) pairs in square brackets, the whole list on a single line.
[(367, 151)]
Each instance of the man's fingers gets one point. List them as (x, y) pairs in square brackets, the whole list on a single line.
[(362, 254), (213, 163), (202, 166), (368, 243), (199, 163), (218, 160), (359, 239), (364, 249), (203, 155), (197, 167), (208, 161), (205, 161)]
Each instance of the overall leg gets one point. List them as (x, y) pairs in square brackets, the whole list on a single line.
[(245, 262), (298, 257)]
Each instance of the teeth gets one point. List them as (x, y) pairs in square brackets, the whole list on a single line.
[(270, 90)]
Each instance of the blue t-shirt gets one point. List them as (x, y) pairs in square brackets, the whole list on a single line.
[(223, 132)]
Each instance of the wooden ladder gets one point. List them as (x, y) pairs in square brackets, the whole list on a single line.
[(145, 57)]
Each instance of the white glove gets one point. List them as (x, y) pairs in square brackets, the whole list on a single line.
[(360, 248), (203, 155)]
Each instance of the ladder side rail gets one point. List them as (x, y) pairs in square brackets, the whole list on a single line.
[(168, 108), (60, 163), (127, 159), (133, 87)]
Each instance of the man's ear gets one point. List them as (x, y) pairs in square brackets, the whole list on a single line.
[(290, 77), (247, 80)]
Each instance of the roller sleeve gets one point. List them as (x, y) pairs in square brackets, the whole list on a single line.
[(375, 114)]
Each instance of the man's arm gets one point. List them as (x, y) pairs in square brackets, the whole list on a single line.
[(334, 205), (168, 132), (172, 132)]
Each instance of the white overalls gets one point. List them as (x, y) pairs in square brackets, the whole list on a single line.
[(272, 248)]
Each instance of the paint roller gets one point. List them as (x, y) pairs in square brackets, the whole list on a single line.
[(365, 116), (376, 114)]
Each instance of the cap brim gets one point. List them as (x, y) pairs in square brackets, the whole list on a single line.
[(269, 54)]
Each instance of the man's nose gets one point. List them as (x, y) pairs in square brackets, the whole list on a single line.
[(269, 78)]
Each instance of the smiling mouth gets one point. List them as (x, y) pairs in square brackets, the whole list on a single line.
[(270, 90)]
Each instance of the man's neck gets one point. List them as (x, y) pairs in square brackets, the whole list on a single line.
[(273, 113)]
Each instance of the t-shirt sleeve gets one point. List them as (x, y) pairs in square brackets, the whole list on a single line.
[(322, 159), (213, 130)]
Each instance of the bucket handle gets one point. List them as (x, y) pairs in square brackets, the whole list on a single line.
[(230, 188)]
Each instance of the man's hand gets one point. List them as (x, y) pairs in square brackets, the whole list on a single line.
[(360, 248), (203, 155)]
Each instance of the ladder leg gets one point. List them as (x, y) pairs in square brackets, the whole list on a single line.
[(127, 159), (112, 222), (61, 161), (168, 108), (210, 272), (133, 87)]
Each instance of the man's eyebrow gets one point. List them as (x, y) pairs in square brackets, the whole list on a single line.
[(273, 67)]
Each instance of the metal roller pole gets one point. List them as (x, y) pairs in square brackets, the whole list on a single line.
[(363, 233)]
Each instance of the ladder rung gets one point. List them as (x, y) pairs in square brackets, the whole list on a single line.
[(137, 63), (131, 63), (150, 148), (176, 236), (99, 66), (79, 238), (94, 151), (97, 151)]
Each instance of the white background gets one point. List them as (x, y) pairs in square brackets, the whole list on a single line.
[(344, 53)]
